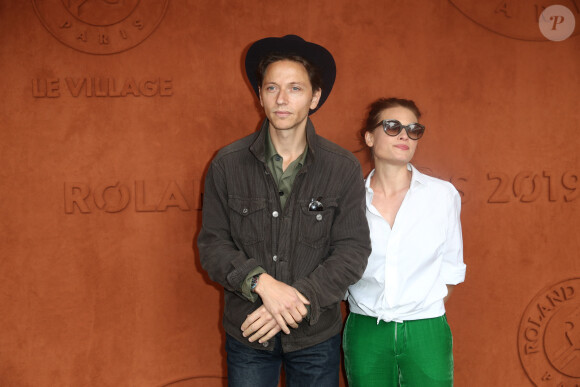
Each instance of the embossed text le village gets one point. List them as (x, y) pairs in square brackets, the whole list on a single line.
[(101, 87)]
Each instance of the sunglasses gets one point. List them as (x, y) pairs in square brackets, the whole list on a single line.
[(393, 127)]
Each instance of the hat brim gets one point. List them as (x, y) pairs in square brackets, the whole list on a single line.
[(317, 55)]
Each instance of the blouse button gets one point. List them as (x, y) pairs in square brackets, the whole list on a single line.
[(275, 258), (275, 214), (319, 217)]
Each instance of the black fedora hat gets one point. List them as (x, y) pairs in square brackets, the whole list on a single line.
[(317, 55)]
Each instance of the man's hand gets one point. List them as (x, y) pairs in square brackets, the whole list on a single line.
[(261, 325), (283, 302)]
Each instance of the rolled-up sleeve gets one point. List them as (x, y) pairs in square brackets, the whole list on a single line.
[(453, 269)]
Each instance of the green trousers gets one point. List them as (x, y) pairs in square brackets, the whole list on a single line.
[(412, 353)]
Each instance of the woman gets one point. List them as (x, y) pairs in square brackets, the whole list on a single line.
[(397, 333)]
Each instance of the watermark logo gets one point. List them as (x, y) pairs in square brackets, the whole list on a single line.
[(100, 26), (519, 19), (557, 23), (549, 336)]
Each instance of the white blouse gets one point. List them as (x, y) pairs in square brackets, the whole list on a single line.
[(411, 264)]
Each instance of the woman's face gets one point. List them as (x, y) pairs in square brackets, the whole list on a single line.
[(397, 149)]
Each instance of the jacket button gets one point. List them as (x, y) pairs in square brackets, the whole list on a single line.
[(319, 217), (245, 211), (275, 214), (265, 344), (275, 258)]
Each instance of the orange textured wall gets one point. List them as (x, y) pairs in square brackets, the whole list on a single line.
[(111, 111)]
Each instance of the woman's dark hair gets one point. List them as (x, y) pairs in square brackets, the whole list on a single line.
[(313, 73), (376, 108)]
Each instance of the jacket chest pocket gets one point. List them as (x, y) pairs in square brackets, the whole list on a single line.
[(247, 219), (315, 226)]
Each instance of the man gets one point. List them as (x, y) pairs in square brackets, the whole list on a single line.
[(284, 228)]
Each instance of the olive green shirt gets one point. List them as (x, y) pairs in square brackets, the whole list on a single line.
[(284, 179)]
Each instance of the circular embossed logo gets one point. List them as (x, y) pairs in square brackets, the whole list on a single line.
[(101, 26), (516, 19), (549, 336)]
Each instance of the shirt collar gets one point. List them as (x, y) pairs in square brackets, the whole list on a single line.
[(270, 151), (417, 179), (258, 146)]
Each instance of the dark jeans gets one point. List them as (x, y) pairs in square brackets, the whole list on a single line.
[(313, 366)]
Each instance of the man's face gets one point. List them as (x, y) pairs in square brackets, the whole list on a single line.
[(286, 95)]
